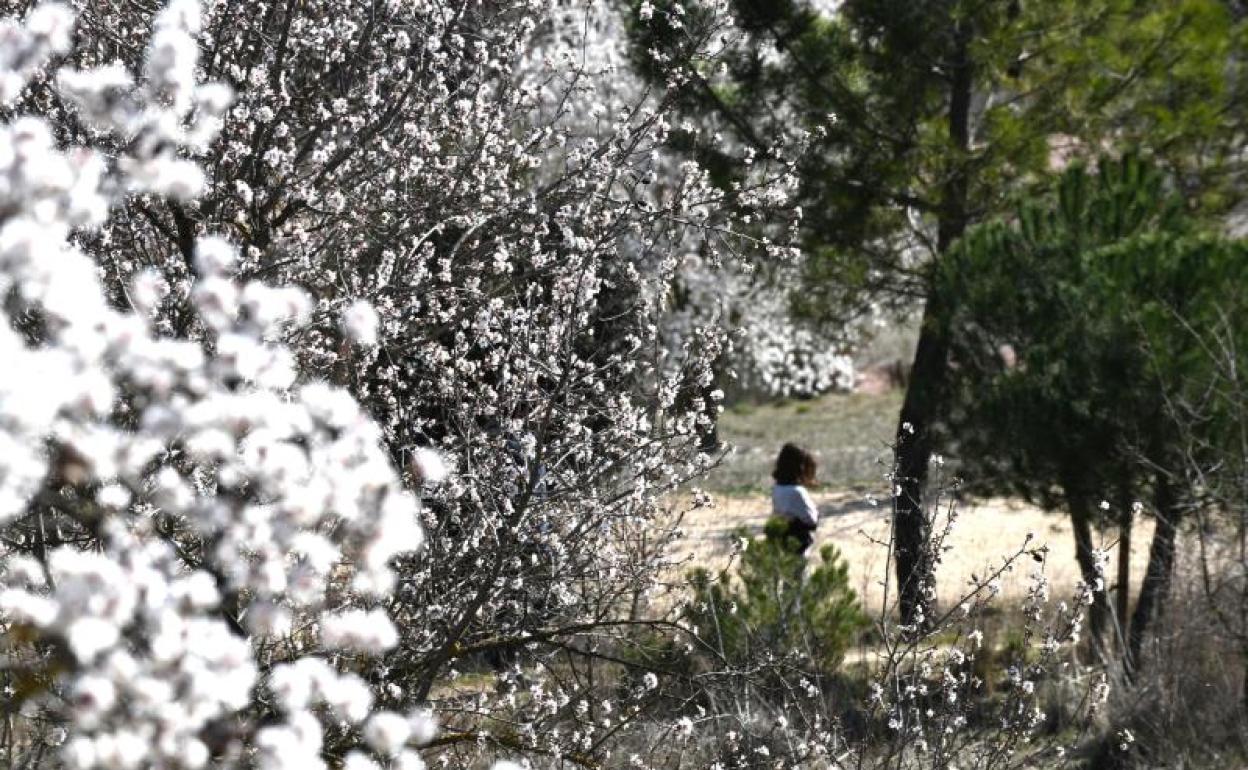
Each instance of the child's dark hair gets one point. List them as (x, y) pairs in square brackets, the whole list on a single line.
[(794, 466)]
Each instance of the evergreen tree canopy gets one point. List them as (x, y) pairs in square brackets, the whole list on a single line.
[(1069, 330), (1072, 342), (918, 118)]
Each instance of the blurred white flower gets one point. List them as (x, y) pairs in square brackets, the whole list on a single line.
[(387, 732), (428, 466), (360, 323)]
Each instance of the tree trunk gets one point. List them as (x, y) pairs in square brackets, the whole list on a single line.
[(1081, 517), (1155, 589), (925, 395), (1122, 597), (911, 526)]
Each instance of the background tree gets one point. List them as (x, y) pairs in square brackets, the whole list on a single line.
[(926, 118), (1066, 359)]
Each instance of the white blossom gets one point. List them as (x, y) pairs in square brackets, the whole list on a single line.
[(359, 323), (387, 732)]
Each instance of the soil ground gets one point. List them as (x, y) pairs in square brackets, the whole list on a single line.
[(984, 532), (849, 434)]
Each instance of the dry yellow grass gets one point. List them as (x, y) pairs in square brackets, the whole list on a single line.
[(984, 533)]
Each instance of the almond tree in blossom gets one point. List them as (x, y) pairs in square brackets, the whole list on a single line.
[(189, 525), (440, 211)]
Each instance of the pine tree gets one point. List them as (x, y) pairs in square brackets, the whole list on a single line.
[(1086, 287), (916, 120)]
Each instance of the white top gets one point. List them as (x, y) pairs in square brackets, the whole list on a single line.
[(793, 501)]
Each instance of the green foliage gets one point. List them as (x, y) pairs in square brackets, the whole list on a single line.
[(926, 117), (1089, 287), (779, 606)]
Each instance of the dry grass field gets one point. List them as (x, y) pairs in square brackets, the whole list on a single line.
[(983, 533), (849, 436)]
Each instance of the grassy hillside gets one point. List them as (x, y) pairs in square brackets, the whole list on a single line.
[(848, 433)]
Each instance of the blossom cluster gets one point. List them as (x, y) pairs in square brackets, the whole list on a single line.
[(169, 504), (772, 353), (451, 212)]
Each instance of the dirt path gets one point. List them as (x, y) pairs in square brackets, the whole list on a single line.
[(985, 531)]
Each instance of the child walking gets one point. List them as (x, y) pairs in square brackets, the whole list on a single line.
[(790, 502)]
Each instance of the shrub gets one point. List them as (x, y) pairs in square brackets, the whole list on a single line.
[(779, 606)]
